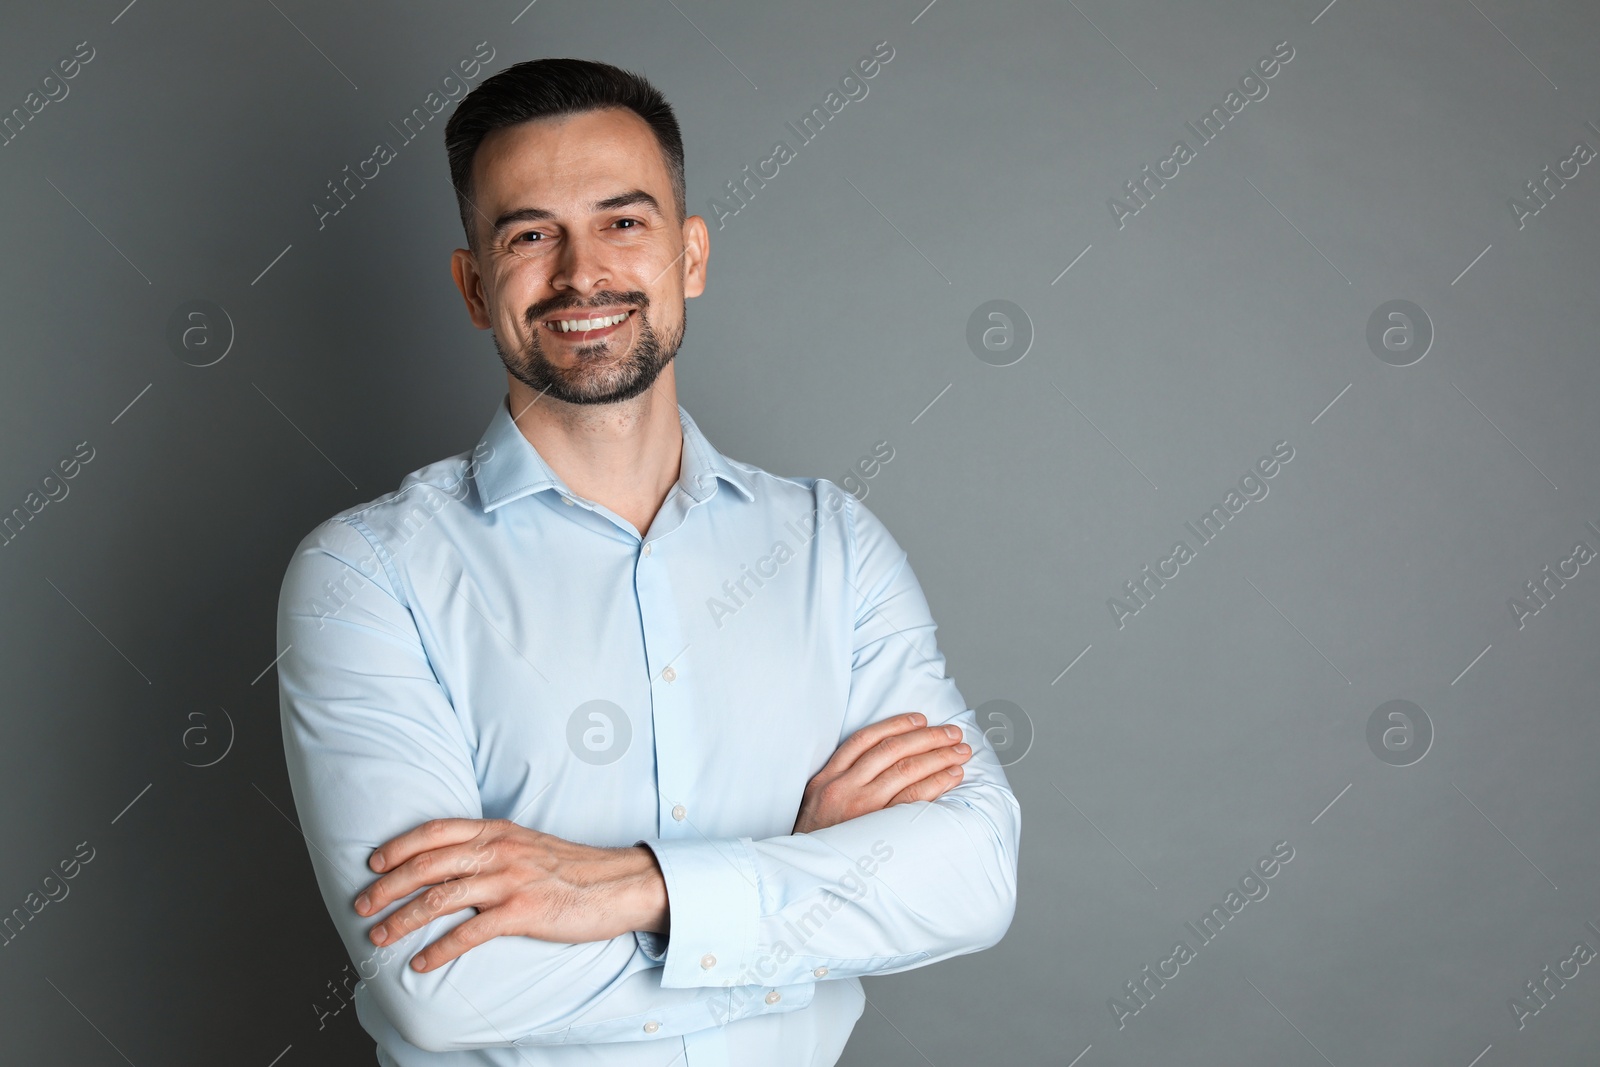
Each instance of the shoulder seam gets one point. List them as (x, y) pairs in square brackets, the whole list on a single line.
[(394, 494), (382, 552)]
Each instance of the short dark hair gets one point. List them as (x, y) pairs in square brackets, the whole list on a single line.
[(546, 88)]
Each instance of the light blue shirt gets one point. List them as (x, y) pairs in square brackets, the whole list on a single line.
[(482, 643)]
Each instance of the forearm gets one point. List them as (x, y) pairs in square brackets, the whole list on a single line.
[(898, 888), (627, 886), (517, 990)]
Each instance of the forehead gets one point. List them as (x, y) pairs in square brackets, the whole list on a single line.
[(564, 164)]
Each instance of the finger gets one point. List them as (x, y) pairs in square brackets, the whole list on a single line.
[(870, 735), (475, 931), (446, 898), (913, 769), (435, 833), (427, 868), (932, 787), (891, 750)]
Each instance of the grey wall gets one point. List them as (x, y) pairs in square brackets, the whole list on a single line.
[(1157, 757)]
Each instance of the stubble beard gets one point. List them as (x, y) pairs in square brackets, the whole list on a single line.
[(588, 382)]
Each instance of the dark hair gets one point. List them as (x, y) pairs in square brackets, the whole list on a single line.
[(546, 88)]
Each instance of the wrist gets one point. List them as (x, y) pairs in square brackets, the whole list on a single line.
[(641, 890)]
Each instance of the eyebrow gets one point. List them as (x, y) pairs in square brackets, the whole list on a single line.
[(539, 214)]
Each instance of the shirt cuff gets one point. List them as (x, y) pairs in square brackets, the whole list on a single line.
[(714, 900), (652, 944)]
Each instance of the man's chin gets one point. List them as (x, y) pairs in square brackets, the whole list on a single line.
[(588, 391), (599, 377), (611, 396)]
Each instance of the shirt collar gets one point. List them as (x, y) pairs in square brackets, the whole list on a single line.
[(511, 468)]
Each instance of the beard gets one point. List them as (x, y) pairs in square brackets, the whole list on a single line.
[(598, 377)]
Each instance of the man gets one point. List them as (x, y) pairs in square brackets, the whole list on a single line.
[(563, 715)]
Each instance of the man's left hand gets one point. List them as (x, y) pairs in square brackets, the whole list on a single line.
[(521, 881)]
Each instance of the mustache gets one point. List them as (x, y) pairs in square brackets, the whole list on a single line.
[(609, 298)]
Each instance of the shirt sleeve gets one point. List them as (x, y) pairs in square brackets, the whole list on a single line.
[(374, 748), (894, 889)]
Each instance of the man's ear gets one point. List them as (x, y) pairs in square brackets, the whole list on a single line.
[(697, 249), (464, 269)]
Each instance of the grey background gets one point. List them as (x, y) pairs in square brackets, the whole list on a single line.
[(1229, 314)]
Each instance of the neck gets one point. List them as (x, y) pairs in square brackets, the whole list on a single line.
[(626, 455)]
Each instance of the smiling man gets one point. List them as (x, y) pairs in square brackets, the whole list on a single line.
[(559, 813)]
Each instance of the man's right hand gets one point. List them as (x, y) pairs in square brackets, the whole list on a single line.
[(895, 761)]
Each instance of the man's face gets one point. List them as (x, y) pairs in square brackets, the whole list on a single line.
[(576, 229)]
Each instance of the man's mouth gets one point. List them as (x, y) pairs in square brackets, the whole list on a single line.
[(587, 326)]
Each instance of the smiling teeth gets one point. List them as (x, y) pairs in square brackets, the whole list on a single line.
[(569, 325)]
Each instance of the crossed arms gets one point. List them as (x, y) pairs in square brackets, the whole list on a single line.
[(522, 881), (611, 939)]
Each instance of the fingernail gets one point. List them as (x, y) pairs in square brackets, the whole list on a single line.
[(917, 720), (419, 964), (379, 934), (362, 903), (952, 731), (962, 748), (954, 772), (377, 861)]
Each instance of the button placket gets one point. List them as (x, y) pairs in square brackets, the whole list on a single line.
[(664, 644)]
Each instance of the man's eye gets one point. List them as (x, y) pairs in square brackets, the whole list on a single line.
[(632, 222)]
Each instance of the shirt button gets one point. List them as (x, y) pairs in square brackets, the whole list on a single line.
[(821, 972), (708, 961), (647, 548), (651, 1027), (678, 812), (669, 674), (567, 500), (774, 996)]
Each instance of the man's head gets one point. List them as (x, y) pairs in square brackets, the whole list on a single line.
[(569, 177)]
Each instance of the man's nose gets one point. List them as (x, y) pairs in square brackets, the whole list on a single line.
[(583, 264)]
